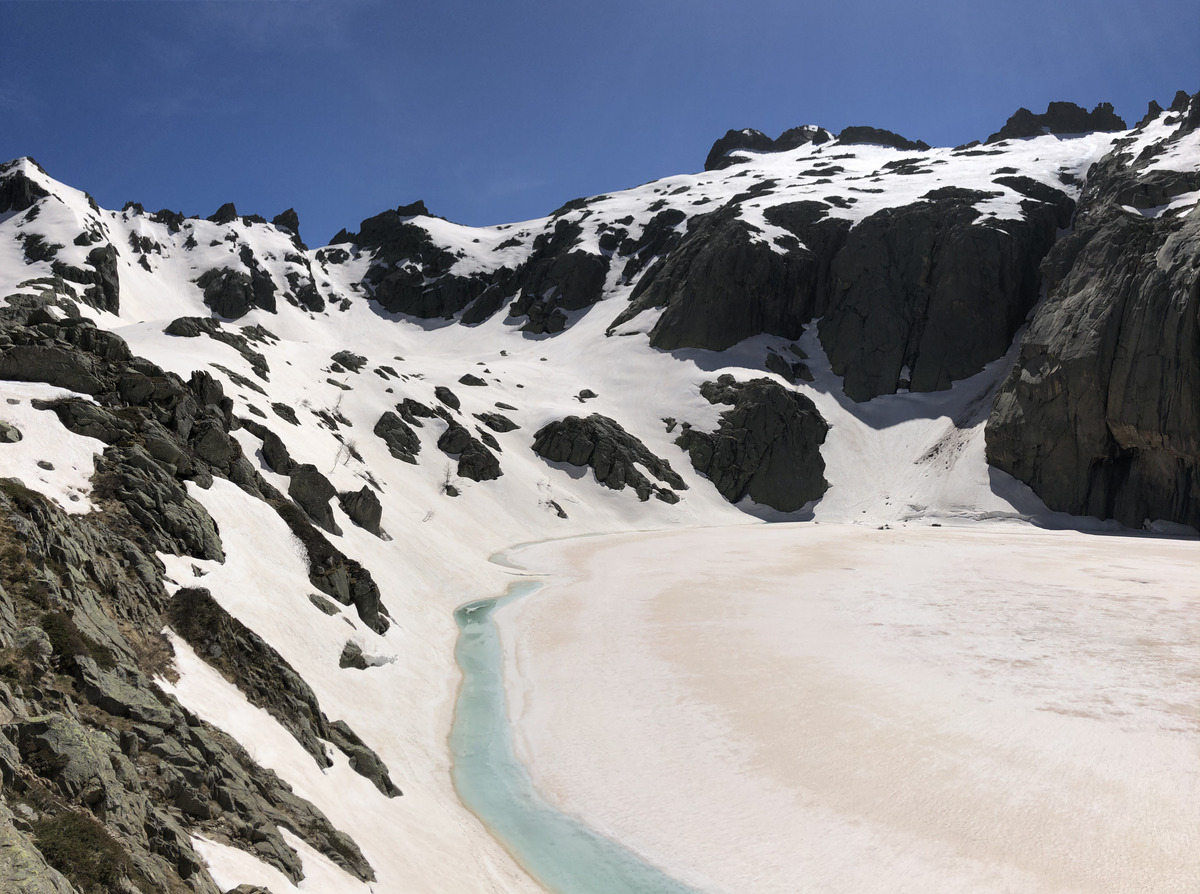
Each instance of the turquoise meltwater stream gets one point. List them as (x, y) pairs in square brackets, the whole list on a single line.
[(559, 851)]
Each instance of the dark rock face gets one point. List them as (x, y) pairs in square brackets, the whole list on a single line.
[(36, 248), (363, 760), (332, 572), (402, 442), (659, 236), (103, 284), (410, 274), (879, 137), (17, 192), (611, 452), (1101, 414), (312, 492), (1060, 117), (107, 292), (261, 284), (908, 278), (258, 670), (352, 657), (748, 138), (274, 451), (556, 279), (720, 286), (893, 292), (766, 447), (157, 502)]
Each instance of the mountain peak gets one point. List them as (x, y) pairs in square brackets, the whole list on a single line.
[(1059, 118), (721, 154)]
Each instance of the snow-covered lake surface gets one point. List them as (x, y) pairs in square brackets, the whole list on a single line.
[(841, 708)]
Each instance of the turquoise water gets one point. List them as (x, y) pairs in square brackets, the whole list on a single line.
[(560, 852)]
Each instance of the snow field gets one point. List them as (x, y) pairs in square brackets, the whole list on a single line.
[(839, 708)]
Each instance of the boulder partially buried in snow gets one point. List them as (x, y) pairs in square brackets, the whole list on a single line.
[(611, 452)]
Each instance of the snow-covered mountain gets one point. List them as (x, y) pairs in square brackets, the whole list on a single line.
[(246, 482)]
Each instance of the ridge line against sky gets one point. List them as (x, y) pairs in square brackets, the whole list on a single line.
[(500, 112)]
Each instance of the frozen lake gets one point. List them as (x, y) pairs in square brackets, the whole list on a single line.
[(839, 708), (558, 850)]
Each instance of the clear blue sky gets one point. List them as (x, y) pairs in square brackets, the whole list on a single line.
[(501, 110)]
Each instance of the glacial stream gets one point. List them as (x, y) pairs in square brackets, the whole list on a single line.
[(560, 852)]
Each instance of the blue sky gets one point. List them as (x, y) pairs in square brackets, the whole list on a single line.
[(501, 110)]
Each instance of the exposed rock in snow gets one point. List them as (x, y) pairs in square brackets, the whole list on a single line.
[(766, 447), (1059, 117), (1101, 414), (611, 452)]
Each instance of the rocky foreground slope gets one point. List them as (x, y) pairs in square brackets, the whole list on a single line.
[(289, 464)]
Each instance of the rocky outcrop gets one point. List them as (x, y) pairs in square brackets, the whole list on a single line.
[(312, 492), (602, 445), (447, 397), (766, 446), (724, 151), (1059, 117), (105, 293), (102, 281), (227, 213), (411, 274), (23, 869), (267, 680), (331, 571), (893, 292), (877, 136), (193, 327), (349, 360), (17, 191), (1101, 413), (402, 442), (288, 220), (108, 795), (230, 293), (475, 461), (497, 422), (557, 278), (363, 507)]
